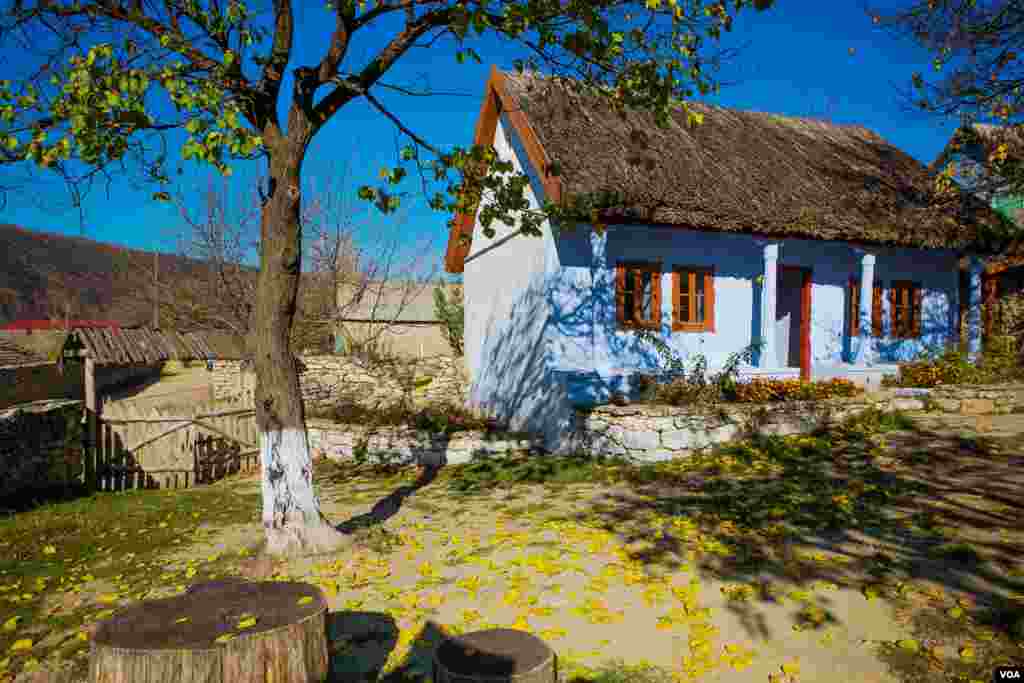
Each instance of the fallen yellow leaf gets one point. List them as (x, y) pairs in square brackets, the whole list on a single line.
[(305, 600), (20, 645)]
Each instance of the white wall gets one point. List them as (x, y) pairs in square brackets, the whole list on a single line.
[(589, 339), (506, 318)]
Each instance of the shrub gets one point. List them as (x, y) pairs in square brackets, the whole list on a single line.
[(760, 390), (447, 420), (998, 363)]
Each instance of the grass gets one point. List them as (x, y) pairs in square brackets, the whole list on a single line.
[(742, 510)]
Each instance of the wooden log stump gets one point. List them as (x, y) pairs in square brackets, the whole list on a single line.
[(207, 635), (497, 655)]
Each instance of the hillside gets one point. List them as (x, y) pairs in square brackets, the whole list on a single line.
[(44, 274)]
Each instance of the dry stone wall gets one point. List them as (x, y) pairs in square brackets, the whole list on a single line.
[(649, 433), (328, 380), (40, 446)]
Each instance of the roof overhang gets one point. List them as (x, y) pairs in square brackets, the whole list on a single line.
[(497, 101)]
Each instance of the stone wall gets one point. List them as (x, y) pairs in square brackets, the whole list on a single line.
[(327, 380), (40, 446), (39, 381), (405, 445), (646, 433), (43, 381)]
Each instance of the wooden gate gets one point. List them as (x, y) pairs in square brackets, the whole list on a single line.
[(148, 448)]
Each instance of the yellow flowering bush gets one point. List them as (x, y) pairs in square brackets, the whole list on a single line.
[(762, 390)]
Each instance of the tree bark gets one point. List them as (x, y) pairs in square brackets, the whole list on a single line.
[(291, 509)]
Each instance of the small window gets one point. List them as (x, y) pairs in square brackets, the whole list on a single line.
[(905, 300), (638, 294), (693, 299), (853, 314)]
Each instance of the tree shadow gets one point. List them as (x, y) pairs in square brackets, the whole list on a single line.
[(833, 508), (387, 507), (360, 643)]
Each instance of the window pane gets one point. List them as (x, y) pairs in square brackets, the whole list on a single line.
[(684, 282), (699, 282), (627, 305), (684, 308), (645, 296)]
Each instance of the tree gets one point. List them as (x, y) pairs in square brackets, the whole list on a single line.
[(94, 102), (976, 49), (451, 314)]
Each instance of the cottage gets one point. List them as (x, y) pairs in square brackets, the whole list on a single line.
[(965, 155), (821, 242)]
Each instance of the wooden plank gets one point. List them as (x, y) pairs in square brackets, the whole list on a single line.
[(89, 468)]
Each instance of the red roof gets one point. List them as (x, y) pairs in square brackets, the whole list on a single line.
[(56, 324)]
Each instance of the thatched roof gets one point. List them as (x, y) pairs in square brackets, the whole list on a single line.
[(13, 354), (739, 171), (147, 346)]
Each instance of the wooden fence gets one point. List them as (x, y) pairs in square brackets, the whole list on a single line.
[(137, 447)]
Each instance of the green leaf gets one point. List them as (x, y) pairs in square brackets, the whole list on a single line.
[(161, 196)]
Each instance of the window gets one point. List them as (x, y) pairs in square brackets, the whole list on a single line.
[(853, 314), (693, 299), (638, 295), (905, 301)]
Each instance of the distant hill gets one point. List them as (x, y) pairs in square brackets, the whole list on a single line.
[(45, 275)]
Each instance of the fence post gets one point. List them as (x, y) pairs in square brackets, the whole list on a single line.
[(89, 470)]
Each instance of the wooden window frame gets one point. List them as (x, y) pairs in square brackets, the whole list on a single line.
[(693, 272), (652, 267), (854, 310), (913, 300)]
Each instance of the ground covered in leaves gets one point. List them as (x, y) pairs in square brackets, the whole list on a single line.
[(882, 551)]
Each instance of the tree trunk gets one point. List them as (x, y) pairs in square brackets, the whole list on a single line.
[(291, 509), (274, 630)]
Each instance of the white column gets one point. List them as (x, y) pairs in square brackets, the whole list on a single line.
[(974, 308), (771, 266), (865, 353)]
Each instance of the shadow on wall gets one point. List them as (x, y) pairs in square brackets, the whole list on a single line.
[(938, 321)]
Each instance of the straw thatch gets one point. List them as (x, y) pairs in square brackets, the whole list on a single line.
[(148, 346), (740, 171), (13, 354)]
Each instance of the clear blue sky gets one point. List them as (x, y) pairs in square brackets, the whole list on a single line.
[(797, 61)]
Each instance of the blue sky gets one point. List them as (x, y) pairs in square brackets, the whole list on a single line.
[(796, 61)]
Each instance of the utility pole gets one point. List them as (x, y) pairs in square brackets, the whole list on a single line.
[(156, 294)]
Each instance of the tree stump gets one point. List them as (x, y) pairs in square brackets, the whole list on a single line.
[(176, 639), (497, 655)]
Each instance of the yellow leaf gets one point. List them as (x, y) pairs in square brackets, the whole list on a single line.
[(247, 623), (11, 623), (305, 600), (49, 550), (182, 620), (224, 638), (791, 668), (967, 653), (82, 635), (20, 645), (909, 644), (107, 597)]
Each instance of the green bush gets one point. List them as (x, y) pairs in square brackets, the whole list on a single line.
[(998, 363), (447, 420)]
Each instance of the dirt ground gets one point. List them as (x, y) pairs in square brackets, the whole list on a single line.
[(699, 577)]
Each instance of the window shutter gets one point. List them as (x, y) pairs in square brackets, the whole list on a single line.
[(917, 311), (709, 300), (620, 293), (854, 299), (876, 311)]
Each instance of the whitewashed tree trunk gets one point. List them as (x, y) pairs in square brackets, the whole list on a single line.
[(291, 511)]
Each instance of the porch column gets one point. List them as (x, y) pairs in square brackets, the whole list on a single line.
[(867, 290), (768, 288), (974, 308)]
